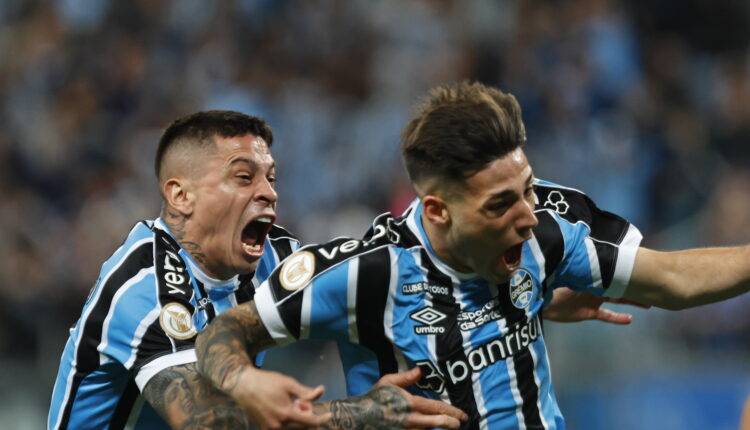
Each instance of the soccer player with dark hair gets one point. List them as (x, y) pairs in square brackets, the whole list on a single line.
[(213, 243), (456, 285)]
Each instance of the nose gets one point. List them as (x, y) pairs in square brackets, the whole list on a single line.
[(526, 220), (266, 192)]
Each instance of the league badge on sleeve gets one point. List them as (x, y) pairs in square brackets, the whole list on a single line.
[(177, 321), (521, 289), (298, 269)]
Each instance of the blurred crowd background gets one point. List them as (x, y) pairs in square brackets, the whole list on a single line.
[(644, 105)]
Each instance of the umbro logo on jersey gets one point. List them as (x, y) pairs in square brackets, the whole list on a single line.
[(521, 289), (556, 201), (429, 317)]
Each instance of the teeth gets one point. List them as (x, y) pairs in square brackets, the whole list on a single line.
[(252, 249), (265, 219)]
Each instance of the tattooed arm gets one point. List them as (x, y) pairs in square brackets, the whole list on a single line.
[(186, 401), (224, 350)]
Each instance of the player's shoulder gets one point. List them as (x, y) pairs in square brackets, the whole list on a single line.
[(148, 257), (559, 207), (385, 240)]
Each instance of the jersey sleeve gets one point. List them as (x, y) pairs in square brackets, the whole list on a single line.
[(594, 249), (333, 291)]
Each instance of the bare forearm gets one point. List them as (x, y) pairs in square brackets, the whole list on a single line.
[(683, 279), (381, 408), (188, 402), (224, 348)]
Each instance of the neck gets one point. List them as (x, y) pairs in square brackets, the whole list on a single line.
[(178, 224), (442, 247)]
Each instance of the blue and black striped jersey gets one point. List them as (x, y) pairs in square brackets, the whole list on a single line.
[(480, 345), (142, 316)]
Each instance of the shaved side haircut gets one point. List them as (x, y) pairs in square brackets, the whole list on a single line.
[(194, 134)]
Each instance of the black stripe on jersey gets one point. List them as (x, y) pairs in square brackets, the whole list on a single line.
[(124, 406), (449, 345), (523, 362), (372, 294), (207, 305), (86, 355), (551, 243), (281, 241), (607, 256), (173, 286), (246, 290)]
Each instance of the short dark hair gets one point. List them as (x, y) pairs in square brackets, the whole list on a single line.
[(201, 127), (458, 129)]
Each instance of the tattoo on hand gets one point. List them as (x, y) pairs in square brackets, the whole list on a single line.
[(187, 402), (382, 408)]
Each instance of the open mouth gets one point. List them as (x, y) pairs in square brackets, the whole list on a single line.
[(254, 235), (512, 257)]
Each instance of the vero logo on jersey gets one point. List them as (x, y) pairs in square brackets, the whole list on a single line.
[(521, 289), (429, 317)]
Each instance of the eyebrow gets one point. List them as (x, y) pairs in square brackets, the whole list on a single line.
[(508, 194), (253, 165)]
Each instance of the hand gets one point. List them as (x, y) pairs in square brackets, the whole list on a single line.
[(571, 306), (276, 401), (423, 412)]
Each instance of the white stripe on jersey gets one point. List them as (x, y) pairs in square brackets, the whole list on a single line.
[(537, 381), (351, 300), (85, 316), (113, 304), (431, 339), (503, 327), (304, 329), (625, 262), (516, 392), (146, 322), (269, 315), (393, 284), (536, 251), (157, 365), (596, 274)]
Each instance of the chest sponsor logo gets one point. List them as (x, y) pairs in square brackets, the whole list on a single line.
[(424, 287), (430, 318), (521, 289), (489, 353), (177, 321), (469, 320), (297, 271), (174, 273)]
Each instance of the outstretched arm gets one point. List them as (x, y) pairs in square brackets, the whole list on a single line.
[(224, 350), (682, 279), (186, 401)]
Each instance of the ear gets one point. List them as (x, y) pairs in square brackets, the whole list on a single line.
[(178, 195), (436, 210)]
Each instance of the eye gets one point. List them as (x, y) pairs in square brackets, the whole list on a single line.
[(529, 191), (244, 177), (272, 179), (498, 207)]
